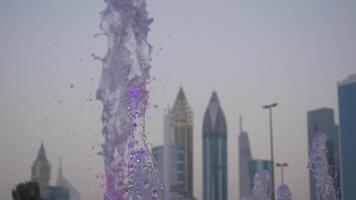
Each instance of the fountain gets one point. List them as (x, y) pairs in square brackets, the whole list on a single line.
[(129, 169), (283, 193), (319, 167), (261, 186)]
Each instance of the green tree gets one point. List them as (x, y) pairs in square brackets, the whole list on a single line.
[(26, 191)]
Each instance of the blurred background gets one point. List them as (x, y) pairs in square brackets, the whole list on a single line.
[(252, 53)]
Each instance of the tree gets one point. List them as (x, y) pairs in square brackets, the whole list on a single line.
[(26, 191)]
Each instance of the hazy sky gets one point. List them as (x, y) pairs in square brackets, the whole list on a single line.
[(250, 52)]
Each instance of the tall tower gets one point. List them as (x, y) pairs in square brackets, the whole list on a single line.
[(64, 183), (244, 158), (323, 119), (347, 109), (41, 169), (183, 136), (214, 152)]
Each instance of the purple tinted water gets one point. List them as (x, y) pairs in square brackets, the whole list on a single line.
[(319, 166), (283, 193), (261, 186), (129, 169)]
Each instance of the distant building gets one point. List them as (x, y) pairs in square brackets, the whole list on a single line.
[(256, 166), (64, 183), (56, 193), (158, 156), (176, 174), (182, 121), (41, 170), (347, 109), (175, 157), (244, 158), (323, 120), (41, 173), (214, 152)]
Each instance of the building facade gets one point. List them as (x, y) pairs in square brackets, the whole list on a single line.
[(182, 122), (174, 169), (323, 120), (214, 152), (244, 157), (347, 112), (174, 158), (41, 169)]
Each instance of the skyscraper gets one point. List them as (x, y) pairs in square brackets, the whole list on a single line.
[(244, 158), (172, 171), (41, 169), (347, 109), (214, 152), (323, 120), (182, 117), (175, 157)]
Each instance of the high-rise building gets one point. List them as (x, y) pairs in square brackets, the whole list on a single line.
[(182, 117), (244, 158), (214, 152), (171, 171), (323, 120), (41, 169), (256, 166), (174, 158), (347, 109), (64, 183)]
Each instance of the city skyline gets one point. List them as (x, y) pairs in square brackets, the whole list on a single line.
[(41, 174), (252, 53)]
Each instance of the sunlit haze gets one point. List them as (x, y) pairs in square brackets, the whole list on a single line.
[(251, 53)]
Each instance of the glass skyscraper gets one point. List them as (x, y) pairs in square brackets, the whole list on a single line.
[(347, 109), (323, 120), (214, 152)]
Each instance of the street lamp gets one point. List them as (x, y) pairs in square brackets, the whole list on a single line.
[(282, 165), (269, 107)]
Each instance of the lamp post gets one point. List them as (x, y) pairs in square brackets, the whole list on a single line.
[(282, 165), (269, 107)]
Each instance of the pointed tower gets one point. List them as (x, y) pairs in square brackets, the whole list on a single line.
[(64, 183), (244, 158), (183, 136), (41, 169), (214, 152)]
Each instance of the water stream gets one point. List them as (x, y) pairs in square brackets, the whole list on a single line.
[(129, 169)]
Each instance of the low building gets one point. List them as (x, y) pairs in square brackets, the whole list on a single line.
[(55, 193)]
